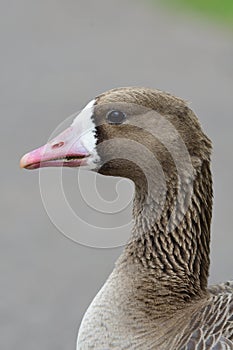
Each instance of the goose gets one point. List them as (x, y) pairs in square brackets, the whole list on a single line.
[(157, 296)]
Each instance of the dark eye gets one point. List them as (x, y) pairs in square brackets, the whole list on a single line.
[(115, 117)]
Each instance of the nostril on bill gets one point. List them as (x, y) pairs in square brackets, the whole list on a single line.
[(58, 145)]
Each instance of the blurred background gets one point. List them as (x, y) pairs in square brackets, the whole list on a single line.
[(55, 57)]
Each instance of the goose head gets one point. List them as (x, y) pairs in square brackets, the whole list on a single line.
[(136, 133)]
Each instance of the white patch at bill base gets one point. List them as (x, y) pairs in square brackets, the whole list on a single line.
[(86, 128)]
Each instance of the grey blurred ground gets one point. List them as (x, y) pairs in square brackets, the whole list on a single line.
[(55, 57)]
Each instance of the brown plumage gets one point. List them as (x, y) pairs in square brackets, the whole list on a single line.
[(157, 296)]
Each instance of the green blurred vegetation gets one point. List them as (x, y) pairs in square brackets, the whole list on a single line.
[(221, 10)]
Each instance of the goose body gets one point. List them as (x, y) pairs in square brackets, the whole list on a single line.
[(157, 296)]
